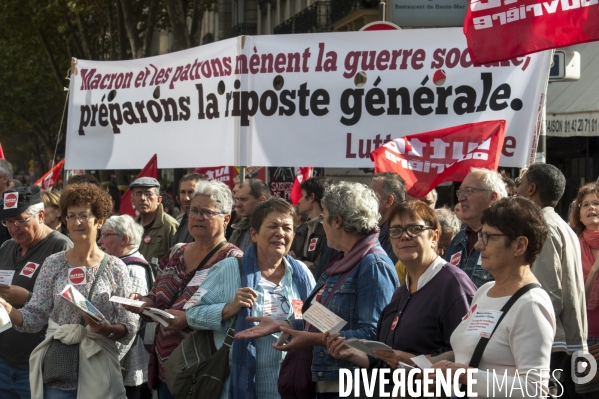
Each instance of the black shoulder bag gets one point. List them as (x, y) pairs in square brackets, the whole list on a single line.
[(196, 369), (482, 343), (61, 361)]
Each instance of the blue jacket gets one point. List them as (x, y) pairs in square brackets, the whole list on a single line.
[(469, 263), (359, 301)]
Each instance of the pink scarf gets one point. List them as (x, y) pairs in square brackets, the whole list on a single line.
[(589, 239)]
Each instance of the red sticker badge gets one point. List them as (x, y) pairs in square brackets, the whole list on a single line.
[(312, 245), (455, 259), (298, 304), (395, 320), (29, 269), (10, 200), (147, 239), (77, 275)]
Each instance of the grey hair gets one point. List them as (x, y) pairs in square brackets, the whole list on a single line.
[(355, 203), (125, 225), (448, 220), (434, 195), (34, 210), (218, 192), (392, 184), (491, 180), (6, 169)]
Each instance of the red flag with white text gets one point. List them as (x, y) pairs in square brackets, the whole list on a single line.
[(225, 174), (499, 30), (302, 173), (425, 160), (150, 170), (49, 179)]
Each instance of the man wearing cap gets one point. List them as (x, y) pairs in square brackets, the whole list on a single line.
[(21, 258), (159, 227)]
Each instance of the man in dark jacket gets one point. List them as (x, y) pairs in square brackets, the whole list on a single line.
[(310, 237)]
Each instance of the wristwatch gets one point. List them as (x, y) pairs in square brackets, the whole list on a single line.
[(112, 332)]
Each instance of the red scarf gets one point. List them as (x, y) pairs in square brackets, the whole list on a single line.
[(589, 239)]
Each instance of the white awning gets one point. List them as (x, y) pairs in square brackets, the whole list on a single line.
[(573, 107)]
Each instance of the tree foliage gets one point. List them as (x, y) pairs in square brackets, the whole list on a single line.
[(38, 38)]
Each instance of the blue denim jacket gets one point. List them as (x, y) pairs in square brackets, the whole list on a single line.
[(469, 263), (359, 301)]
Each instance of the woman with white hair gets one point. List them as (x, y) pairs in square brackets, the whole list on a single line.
[(356, 285), (184, 268), (120, 236)]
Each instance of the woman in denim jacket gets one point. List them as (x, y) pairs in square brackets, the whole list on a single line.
[(356, 284)]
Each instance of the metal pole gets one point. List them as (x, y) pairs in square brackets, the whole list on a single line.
[(382, 11), (241, 174)]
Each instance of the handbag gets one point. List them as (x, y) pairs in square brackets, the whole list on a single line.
[(61, 361), (482, 343), (195, 368), (295, 375)]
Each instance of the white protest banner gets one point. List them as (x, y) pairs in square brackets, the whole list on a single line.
[(297, 100), (417, 80), (167, 105)]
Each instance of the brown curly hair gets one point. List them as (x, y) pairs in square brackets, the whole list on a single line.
[(86, 194), (591, 188)]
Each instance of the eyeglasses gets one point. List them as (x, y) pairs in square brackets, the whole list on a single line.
[(413, 230), (484, 237), (17, 223), (80, 218), (285, 306), (204, 213), (469, 191), (147, 194), (105, 235), (594, 204)]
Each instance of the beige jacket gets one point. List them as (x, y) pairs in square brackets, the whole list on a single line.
[(559, 270), (99, 368)]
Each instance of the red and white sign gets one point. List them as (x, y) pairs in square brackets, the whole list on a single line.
[(425, 160), (455, 259), (297, 304), (49, 179), (10, 200), (225, 174), (29, 269), (77, 275), (498, 30), (147, 239), (312, 245)]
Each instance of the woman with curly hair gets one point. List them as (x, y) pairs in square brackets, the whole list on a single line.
[(79, 356)]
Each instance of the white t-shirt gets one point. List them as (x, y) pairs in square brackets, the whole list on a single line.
[(522, 344), (276, 305)]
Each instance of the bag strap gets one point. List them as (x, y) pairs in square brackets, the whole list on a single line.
[(482, 343), (230, 337), (200, 266)]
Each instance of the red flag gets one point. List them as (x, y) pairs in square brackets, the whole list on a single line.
[(48, 180), (303, 173), (501, 30), (1, 152), (225, 174), (150, 170), (425, 160)]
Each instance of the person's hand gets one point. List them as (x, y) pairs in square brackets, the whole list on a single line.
[(300, 340), (266, 326), (393, 357), (135, 309), (101, 328), (14, 295), (245, 298), (335, 344), (179, 323)]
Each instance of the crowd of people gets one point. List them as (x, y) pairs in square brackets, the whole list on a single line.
[(241, 267)]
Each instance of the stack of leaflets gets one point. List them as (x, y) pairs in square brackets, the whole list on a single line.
[(366, 346), (154, 313), (6, 278), (75, 299)]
